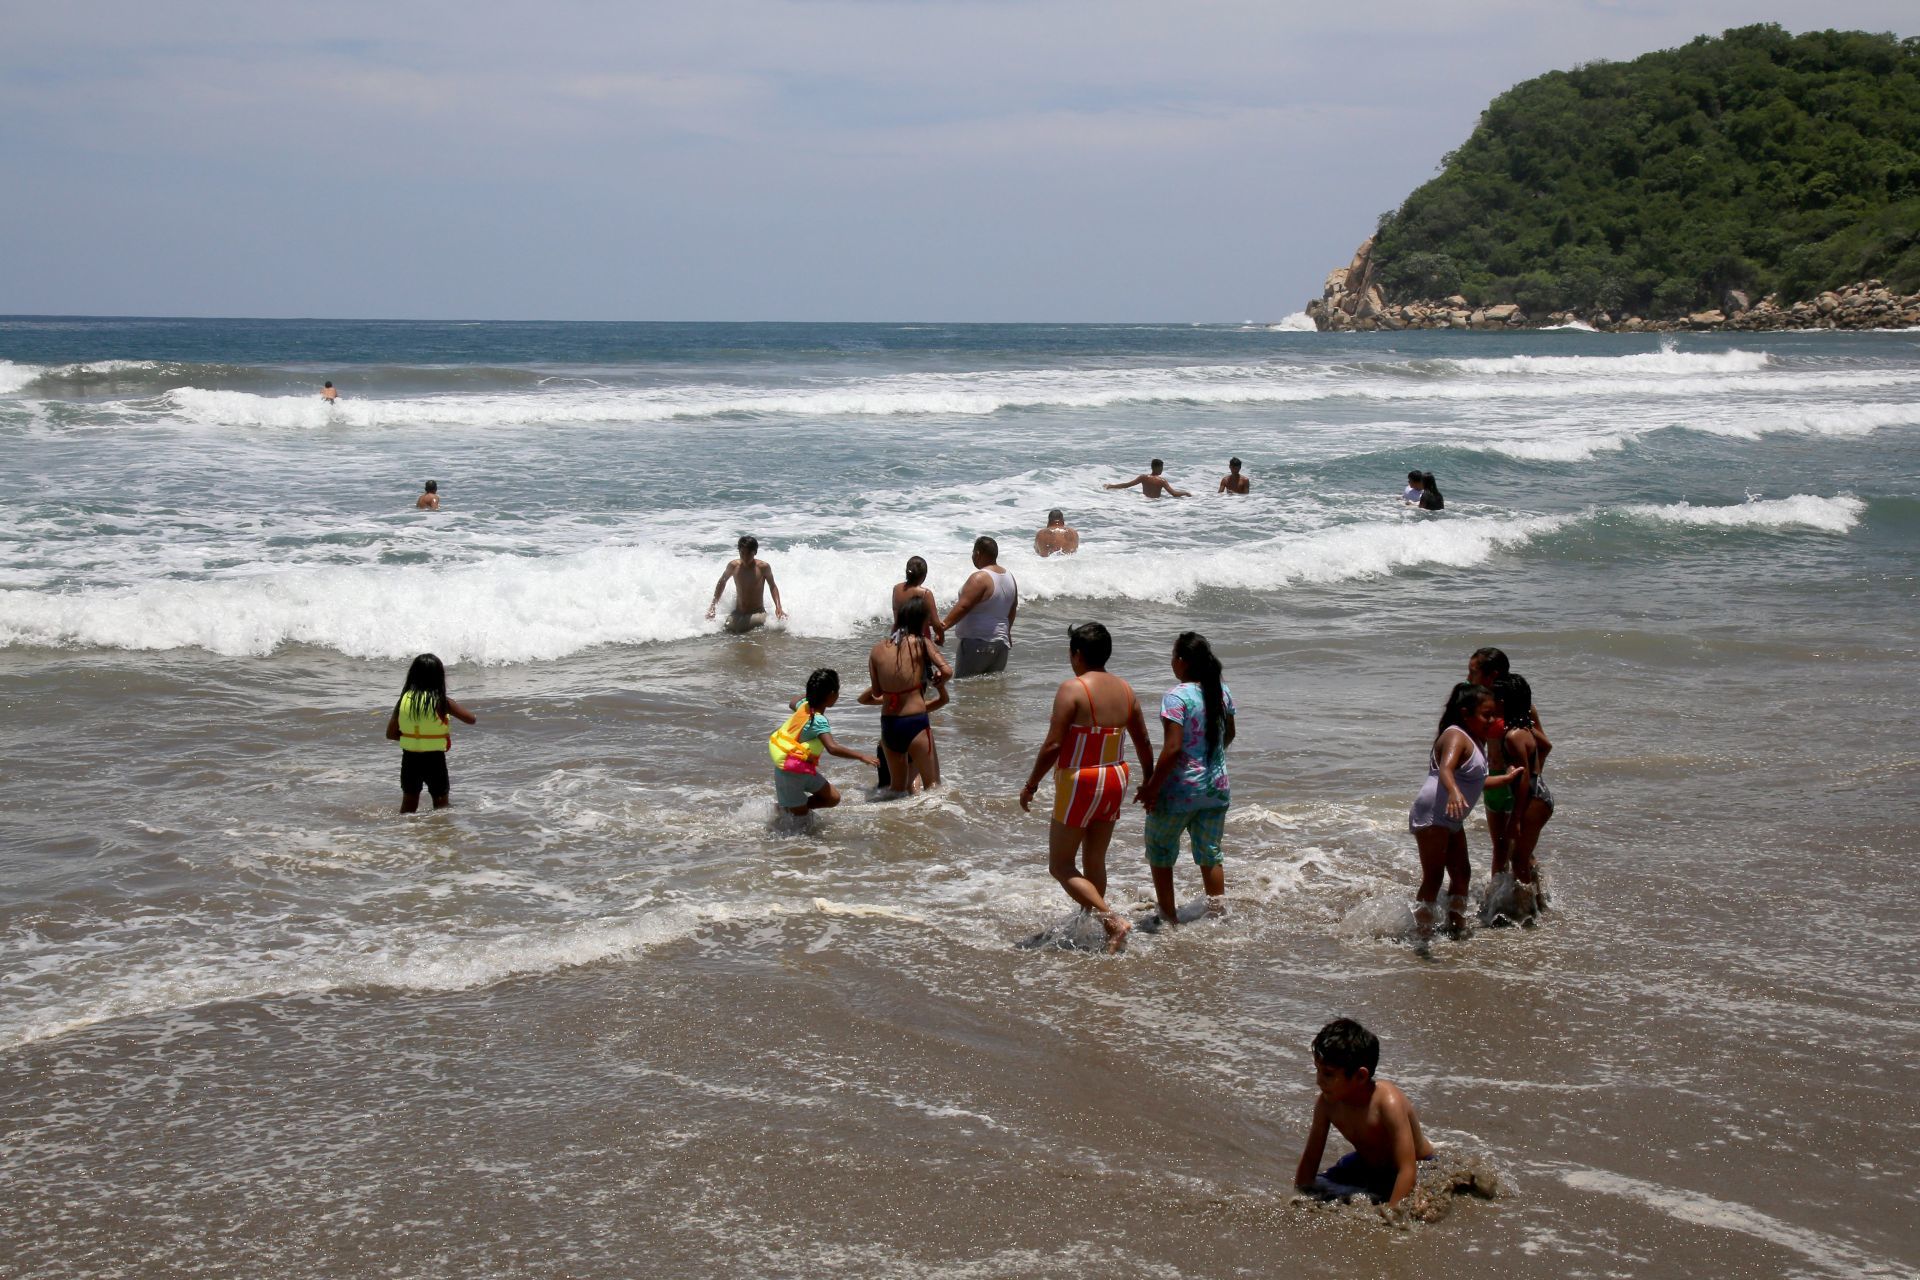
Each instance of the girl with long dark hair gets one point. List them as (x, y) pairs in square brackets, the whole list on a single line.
[(420, 725), (1188, 791), (1456, 773)]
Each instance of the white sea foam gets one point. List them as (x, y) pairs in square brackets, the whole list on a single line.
[(1684, 363), (522, 609), (1571, 326), (1829, 1253), (1830, 515), (15, 376), (1298, 322), (527, 609), (1662, 374), (420, 958)]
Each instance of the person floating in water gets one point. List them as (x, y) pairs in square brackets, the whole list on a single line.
[(1189, 790), (1411, 494), (327, 393), (1373, 1114), (1430, 499), (1233, 481), (429, 500), (1057, 539), (1084, 749), (984, 613), (797, 745), (1153, 484), (419, 724), (751, 580)]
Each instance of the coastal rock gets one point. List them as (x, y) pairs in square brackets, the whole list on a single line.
[(1353, 300)]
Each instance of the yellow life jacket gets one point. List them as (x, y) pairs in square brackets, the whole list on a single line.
[(418, 730), (789, 753)]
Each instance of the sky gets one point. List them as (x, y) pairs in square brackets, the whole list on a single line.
[(887, 160)]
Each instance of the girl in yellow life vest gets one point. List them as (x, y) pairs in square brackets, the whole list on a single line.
[(797, 745), (419, 724)]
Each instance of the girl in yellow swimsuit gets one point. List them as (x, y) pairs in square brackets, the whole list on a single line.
[(1083, 748)]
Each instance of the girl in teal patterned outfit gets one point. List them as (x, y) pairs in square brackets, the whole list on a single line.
[(1188, 789)]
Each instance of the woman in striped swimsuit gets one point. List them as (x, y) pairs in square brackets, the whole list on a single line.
[(1084, 750)]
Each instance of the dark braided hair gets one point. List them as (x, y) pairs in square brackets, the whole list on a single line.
[(1197, 656)]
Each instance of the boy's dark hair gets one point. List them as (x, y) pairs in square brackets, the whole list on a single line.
[(326, 384), (916, 571), (433, 486), (1056, 514), (985, 546), (821, 685), (1346, 1045), (1413, 477), (748, 546), (1233, 464), (1493, 663), (1157, 465), (1092, 642)]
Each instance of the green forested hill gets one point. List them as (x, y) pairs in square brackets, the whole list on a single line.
[(1759, 160)]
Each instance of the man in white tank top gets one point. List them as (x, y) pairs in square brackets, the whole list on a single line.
[(982, 617)]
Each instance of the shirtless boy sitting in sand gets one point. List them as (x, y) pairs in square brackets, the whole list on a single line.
[(751, 579), (1153, 484), (1371, 1114)]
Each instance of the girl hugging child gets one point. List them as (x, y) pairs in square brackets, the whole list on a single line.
[(797, 745)]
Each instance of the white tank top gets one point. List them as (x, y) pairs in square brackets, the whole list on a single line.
[(988, 619)]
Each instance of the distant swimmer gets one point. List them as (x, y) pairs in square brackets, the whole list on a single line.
[(1372, 1114), (751, 579), (915, 586), (1411, 494), (328, 394), (1153, 484), (1057, 538), (1233, 481), (1086, 752), (430, 499), (983, 615)]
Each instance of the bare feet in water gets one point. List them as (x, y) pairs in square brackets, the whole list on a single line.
[(1118, 927)]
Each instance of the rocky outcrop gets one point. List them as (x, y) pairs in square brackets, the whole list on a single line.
[(1352, 301)]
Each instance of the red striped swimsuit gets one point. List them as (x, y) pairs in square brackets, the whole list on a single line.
[(1089, 778)]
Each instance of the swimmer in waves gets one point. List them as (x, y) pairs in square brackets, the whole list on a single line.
[(752, 579)]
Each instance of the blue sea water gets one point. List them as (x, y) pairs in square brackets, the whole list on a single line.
[(607, 976)]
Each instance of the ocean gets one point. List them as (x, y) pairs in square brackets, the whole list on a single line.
[(606, 1017)]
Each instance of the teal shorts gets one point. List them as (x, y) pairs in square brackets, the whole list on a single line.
[(1206, 826), (792, 790)]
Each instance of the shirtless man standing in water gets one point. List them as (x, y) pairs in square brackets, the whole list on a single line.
[(751, 578), (429, 499), (1233, 481), (1153, 484), (1056, 538)]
